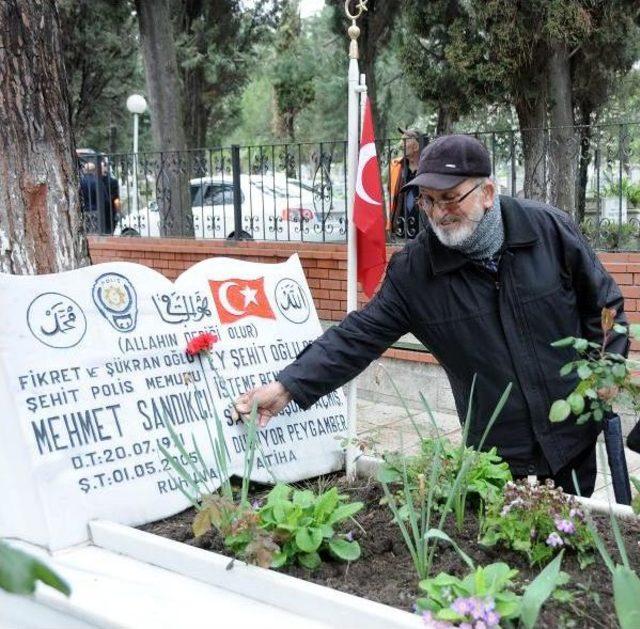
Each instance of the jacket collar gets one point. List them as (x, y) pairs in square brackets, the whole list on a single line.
[(518, 232)]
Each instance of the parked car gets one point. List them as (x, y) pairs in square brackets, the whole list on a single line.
[(274, 207)]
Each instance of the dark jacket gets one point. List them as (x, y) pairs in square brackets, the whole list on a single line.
[(550, 284)]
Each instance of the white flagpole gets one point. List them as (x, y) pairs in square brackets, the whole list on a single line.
[(353, 145), (362, 88)]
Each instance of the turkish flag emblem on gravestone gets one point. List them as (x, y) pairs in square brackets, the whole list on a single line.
[(238, 298)]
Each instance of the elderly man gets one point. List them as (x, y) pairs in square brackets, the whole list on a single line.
[(487, 289)]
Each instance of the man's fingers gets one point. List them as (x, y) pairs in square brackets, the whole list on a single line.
[(242, 406), (263, 419)]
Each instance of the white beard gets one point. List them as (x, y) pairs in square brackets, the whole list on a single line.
[(455, 235)]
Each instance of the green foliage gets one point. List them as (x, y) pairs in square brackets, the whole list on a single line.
[(487, 594), (537, 520), (461, 470), (476, 57), (485, 476), (626, 584), (292, 71), (539, 590), (495, 582), (239, 524), (304, 525), (103, 64), (417, 532), (229, 513), (635, 503), (626, 594), (20, 572), (610, 236), (445, 56), (217, 45), (414, 511), (604, 377), (624, 188)]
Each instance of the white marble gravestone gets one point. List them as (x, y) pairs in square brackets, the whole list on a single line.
[(94, 365)]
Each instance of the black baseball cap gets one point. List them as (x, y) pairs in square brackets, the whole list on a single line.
[(449, 160)]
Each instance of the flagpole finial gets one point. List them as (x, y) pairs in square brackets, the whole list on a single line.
[(354, 31)]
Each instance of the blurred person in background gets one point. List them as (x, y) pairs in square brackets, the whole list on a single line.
[(404, 216)]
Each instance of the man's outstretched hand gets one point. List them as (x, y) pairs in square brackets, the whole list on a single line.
[(270, 398)]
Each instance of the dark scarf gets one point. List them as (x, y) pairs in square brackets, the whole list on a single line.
[(488, 237)]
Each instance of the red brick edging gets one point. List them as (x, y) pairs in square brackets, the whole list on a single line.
[(325, 266)]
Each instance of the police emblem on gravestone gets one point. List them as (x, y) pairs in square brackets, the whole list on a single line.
[(116, 299), (291, 301), (56, 320)]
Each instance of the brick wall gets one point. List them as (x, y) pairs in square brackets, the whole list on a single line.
[(325, 266)]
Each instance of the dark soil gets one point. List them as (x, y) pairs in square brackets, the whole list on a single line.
[(385, 572)]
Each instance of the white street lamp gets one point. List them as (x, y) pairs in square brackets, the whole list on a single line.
[(137, 105)]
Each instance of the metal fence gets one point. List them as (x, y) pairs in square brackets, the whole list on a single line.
[(297, 192)]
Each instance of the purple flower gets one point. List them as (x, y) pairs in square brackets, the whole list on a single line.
[(462, 606), (349, 536), (576, 513), (554, 540), (477, 613), (565, 526), (477, 608), (432, 623), (256, 504)]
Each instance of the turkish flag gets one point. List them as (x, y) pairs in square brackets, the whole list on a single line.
[(238, 298), (367, 210)]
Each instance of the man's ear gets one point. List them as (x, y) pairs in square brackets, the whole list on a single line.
[(488, 194)]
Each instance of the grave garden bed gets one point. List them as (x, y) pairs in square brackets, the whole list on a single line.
[(385, 572)]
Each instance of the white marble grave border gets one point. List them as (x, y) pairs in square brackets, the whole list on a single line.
[(314, 605)]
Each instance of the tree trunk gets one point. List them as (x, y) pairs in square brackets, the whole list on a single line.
[(197, 112), (585, 133), (165, 102), (563, 147), (531, 120), (444, 126), (41, 227), (193, 79), (367, 67)]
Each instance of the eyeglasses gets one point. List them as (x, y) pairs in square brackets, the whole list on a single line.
[(428, 204)]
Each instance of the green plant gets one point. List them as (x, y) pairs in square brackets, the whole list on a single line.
[(221, 507), (303, 524), (486, 597), (292, 525), (624, 188), (484, 480), (227, 511), (635, 503), (626, 583), (452, 599), (20, 572), (604, 234), (537, 520), (604, 376), (416, 518)]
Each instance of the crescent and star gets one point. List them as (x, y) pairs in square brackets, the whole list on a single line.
[(248, 293), (367, 152)]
